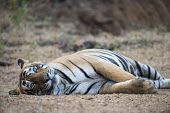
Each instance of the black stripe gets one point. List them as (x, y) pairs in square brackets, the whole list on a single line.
[(90, 88), (118, 56), (63, 84), (66, 91), (62, 76), (111, 60), (74, 88), (102, 86), (67, 67), (132, 71), (112, 55), (20, 78), (159, 84), (108, 59), (50, 71), (124, 67), (93, 67), (138, 66), (90, 65), (115, 54), (155, 75), (65, 76), (100, 57), (123, 60), (81, 70), (159, 78), (99, 51), (149, 72), (102, 52)]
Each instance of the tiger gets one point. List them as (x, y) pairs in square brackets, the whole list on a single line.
[(90, 71)]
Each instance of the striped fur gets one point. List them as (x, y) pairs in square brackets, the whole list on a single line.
[(92, 71)]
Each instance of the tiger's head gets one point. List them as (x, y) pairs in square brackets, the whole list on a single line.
[(35, 79)]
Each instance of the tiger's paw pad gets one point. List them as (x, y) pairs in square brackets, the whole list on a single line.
[(142, 86)]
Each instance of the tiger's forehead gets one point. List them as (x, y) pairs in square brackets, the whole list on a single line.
[(33, 67), (34, 64)]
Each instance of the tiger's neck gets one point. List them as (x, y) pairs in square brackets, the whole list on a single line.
[(62, 84)]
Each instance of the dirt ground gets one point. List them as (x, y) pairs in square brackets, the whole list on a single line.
[(44, 44)]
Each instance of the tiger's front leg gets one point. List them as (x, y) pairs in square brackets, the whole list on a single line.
[(134, 86)]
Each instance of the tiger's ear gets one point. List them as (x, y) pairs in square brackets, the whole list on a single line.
[(14, 92), (21, 62)]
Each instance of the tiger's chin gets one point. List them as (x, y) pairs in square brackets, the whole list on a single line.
[(51, 85)]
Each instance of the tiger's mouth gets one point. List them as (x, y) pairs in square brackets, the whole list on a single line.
[(49, 86)]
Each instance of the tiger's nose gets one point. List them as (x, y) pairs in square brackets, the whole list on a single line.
[(46, 77)]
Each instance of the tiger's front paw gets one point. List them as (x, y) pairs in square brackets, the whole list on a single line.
[(142, 86)]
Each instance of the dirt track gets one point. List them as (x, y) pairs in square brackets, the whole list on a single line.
[(150, 47), (115, 103)]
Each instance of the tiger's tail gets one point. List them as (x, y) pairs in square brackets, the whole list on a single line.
[(161, 84), (153, 75)]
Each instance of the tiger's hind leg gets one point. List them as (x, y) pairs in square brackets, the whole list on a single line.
[(108, 69), (145, 71), (134, 86), (148, 72)]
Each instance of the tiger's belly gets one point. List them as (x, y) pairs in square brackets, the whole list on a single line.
[(84, 87)]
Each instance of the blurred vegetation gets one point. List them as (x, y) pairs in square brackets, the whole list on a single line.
[(160, 30), (16, 5), (2, 45), (91, 16), (18, 10)]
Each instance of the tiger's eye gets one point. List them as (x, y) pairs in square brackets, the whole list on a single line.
[(35, 69)]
